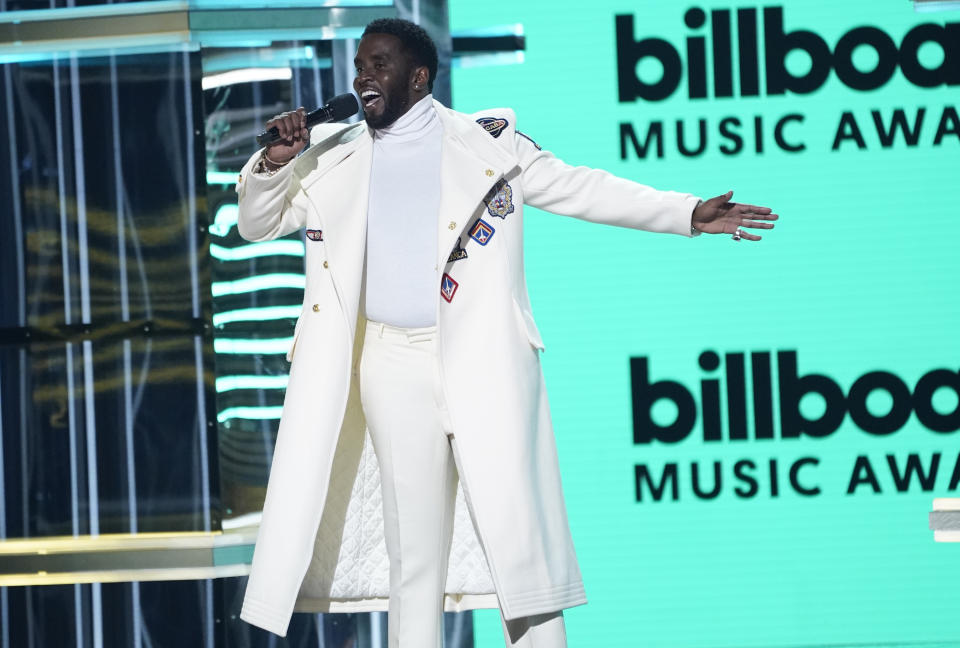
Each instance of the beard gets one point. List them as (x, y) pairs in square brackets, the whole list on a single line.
[(394, 105)]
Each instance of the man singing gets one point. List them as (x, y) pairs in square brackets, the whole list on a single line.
[(417, 329)]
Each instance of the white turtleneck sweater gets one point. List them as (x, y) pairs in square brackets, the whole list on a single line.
[(402, 283)]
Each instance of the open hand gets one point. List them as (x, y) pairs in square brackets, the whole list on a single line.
[(720, 216)]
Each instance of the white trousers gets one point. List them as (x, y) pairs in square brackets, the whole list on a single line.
[(410, 427)]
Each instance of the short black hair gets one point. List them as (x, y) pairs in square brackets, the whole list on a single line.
[(415, 40)]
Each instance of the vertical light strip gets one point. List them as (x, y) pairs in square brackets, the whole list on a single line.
[(202, 431), (295, 73), (317, 89), (195, 288), (376, 629), (93, 498), (192, 252), (74, 462), (93, 504), (21, 298), (4, 617), (320, 640), (21, 303), (21, 318), (65, 237), (71, 388), (74, 485), (191, 183), (31, 638), (15, 195), (92, 483), (120, 201), (124, 304), (208, 626), (4, 598), (80, 190), (81, 200), (3, 484)]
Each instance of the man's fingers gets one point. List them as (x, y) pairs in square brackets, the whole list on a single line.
[(755, 211), (756, 225), (721, 199), (290, 125), (747, 236)]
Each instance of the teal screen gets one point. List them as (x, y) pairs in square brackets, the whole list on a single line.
[(820, 364)]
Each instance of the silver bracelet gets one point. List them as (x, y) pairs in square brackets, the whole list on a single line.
[(693, 230)]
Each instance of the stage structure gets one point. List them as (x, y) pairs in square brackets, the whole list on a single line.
[(142, 341)]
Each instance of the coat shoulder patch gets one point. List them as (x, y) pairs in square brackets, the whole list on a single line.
[(493, 125)]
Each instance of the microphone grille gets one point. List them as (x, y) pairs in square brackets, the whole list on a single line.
[(343, 106)]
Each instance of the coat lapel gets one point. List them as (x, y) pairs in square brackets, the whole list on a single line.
[(471, 164), (341, 204)]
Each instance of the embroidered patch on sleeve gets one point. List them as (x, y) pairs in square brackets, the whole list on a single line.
[(493, 125), (527, 137), (482, 232), (448, 287), (315, 235), (500, 200)]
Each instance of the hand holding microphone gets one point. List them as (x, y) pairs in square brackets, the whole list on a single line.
[(288, 133)]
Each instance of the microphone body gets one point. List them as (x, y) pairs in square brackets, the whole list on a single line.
[(337, 109)]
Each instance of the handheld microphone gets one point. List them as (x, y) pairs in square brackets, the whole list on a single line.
[(337, 109)]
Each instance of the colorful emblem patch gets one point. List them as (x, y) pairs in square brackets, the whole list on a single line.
[(500, 200), (448, 287), (315, 235), (457, 254), (482, 232), (493, 125)]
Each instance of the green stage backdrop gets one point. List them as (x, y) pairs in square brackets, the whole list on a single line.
[(750, 434)]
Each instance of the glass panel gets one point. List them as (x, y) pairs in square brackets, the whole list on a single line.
[(105, 385)]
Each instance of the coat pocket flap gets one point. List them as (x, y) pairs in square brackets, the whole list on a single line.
[(296, 334), (526, 321)]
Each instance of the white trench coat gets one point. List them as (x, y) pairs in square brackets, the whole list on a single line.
[(320, 544)]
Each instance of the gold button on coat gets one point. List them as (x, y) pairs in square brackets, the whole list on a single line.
[(452, 225), (326, 265), (316, 308), (489, 173)]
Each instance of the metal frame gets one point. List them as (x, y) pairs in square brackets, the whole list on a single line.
[(148, 26), (115, 558)]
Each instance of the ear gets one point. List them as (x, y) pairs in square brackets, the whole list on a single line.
[(421, 76)]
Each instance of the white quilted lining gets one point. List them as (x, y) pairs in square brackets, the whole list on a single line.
[(350, 554)]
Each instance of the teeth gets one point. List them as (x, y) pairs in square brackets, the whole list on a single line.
[(369, 94)]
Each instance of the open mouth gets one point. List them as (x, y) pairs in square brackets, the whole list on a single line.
[(369, 98)]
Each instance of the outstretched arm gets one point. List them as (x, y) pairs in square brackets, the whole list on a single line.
[(599, 196), (596, 195)]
